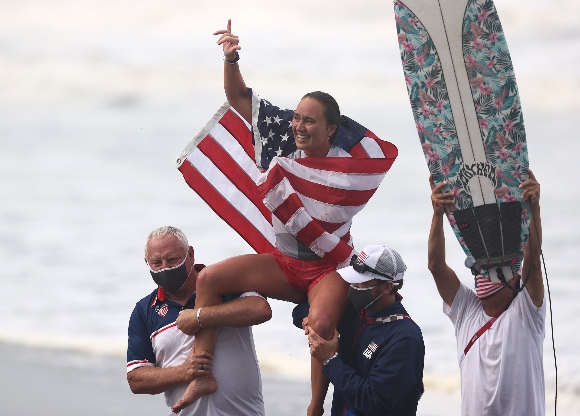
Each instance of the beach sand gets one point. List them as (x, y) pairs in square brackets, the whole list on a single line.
[(36, 381), (46, 382)]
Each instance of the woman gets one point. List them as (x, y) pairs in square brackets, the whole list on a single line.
[(296, 270)]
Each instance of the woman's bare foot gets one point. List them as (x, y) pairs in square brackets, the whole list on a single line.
[(199, 387)]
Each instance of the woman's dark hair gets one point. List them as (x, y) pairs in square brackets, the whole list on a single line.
[(331, 108)]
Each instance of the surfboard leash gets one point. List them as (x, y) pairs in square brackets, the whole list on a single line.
[(551, 317)]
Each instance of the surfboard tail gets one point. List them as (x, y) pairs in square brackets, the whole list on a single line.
[(491, 234)]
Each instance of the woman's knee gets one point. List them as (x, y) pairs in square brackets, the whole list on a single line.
[(322, 322), (207, 284)]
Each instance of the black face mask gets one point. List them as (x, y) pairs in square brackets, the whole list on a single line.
[(171, 279), (362, 298)]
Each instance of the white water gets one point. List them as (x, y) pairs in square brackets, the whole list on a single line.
[(98, 97)]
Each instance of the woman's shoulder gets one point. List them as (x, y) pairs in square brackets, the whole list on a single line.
[(336, 151)]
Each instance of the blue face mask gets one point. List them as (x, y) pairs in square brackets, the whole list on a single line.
[(362, 298), (171, 279)]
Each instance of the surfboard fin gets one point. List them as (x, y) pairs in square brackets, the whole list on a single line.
[(491, 232)]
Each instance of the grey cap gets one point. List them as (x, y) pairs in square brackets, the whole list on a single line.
[(381, 259)]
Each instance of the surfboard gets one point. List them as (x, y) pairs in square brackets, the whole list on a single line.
[(467, 111)]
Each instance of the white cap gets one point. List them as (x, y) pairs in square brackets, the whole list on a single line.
[(373, 260)]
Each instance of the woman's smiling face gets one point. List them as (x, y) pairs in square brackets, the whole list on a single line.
[(310, 128)]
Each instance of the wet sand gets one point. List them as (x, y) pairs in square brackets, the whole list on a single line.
[(46, 382)]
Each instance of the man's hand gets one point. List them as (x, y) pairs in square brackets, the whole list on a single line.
[(305, 326), (531, 189), (320, 348), (197, 364), (439, 200), (229, 41), (187, 321)]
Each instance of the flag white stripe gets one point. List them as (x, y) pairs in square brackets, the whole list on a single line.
[(237, 152), (298, 221), (372, 148), (231, 193), (326, 243), (317, 209), (301, 218), (329, 212), (278, 194)]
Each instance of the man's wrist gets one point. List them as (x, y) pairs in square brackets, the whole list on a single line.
[(325, 363), (198, 320)]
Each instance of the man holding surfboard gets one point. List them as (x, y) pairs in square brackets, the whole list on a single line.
[(499, 331)]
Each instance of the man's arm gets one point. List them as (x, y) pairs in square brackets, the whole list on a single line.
[(240, 312), (532, 261), (155, 380), (445, 278), (234, 85)]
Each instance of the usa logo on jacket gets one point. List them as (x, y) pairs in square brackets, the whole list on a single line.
[(370, 349)]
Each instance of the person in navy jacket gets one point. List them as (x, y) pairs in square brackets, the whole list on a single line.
[(376, 365)]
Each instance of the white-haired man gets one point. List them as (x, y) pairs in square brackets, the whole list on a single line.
[(376, 366), (160, 357), (499, 332)]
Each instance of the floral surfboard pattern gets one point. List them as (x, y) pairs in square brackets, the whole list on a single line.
[(494, 97)]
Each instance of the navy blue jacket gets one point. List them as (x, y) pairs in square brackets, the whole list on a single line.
[(379, 369)]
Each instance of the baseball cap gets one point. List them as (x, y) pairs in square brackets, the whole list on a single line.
[(374, 262)]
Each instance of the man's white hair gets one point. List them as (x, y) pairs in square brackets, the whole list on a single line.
[(163, 231)]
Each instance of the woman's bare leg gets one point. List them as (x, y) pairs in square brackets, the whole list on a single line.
[(328, 301), (252, 272)]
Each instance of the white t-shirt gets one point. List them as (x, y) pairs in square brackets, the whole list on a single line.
[(503, 372)]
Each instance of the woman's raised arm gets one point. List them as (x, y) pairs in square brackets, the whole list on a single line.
[(234, 85)]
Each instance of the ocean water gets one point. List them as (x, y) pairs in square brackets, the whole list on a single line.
[(97, 98)]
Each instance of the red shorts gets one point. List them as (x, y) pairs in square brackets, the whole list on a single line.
[(303, 275)]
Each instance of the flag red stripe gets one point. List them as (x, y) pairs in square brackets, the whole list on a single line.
[(237, 128), (288, 208), (374, 136), (224, 209), (228, 166), (334, 196), (285, 211), (313, 230), (275, 176), (341, 252), (309, 233), (329, 227), (348, 165), (358, 151)]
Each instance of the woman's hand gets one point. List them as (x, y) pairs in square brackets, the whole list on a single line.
[(229, 42)]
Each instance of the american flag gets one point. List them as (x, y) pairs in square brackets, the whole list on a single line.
[(485, 287), (315, 198)]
